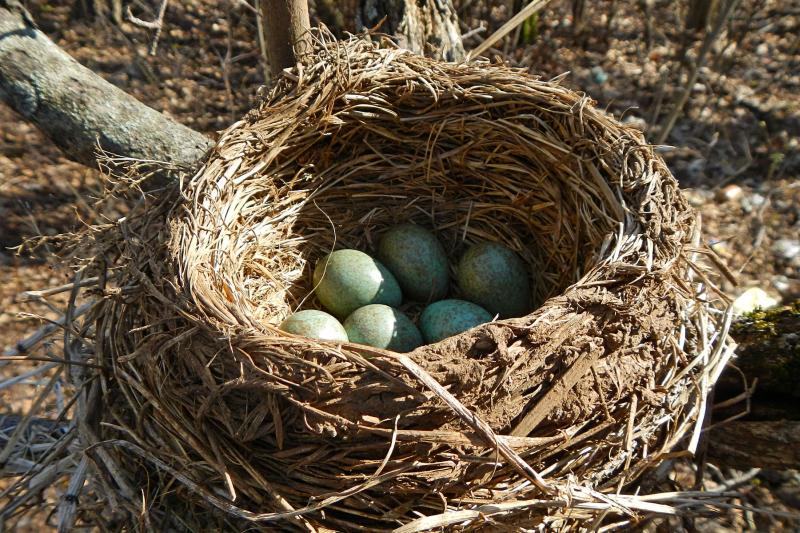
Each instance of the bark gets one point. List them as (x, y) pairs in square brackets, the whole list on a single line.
[(286, 27), (768, 436), (79, 110), (769, 349), (428, 27), (743, 445)]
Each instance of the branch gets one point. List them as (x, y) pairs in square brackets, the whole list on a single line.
[(744, 445), (157, 24), (77, 109), (286, 26), (508, 27), (769, 349)]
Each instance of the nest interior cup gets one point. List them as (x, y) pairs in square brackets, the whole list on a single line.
[(587, 391)]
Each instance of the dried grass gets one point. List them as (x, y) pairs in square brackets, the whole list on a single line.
[(206, 416)]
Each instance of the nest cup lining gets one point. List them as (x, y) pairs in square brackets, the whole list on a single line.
[(602, 376), (469, 176)]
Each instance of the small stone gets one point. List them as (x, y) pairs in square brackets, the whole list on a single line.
[(781, 284), (753, 202), (721, 249), (599, 76), (729, 193), (697, 197), (787, 249), (696, 168), (752, 299)]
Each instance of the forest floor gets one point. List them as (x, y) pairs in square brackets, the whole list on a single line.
[(735, 147)]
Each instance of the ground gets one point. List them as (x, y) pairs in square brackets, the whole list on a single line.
[(735, 147)]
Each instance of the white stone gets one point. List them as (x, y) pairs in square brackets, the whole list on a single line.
[(729, 193), (781, 284), (752, 299), (787, 249), (752, 202)]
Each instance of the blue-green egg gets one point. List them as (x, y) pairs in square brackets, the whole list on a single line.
[(384, 327), (345, 280), (446, 318), (314, 324), (495, 277), (417, 259)]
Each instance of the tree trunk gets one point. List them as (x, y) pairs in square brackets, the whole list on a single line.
[(428, 27), (79, 110)]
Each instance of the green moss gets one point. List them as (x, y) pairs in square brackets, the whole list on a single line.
[(769, 347), (763, 323)]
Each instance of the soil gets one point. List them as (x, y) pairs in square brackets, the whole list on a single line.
[(734, 147)]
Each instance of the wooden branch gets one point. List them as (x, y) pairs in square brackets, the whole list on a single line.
[(527, 11), (157, 24), (774, 444), (767, 433), (286, 26), (769, 349), (77, 109)]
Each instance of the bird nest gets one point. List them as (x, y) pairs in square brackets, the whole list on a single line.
[(203, 414)]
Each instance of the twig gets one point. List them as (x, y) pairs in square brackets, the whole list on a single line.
[(472, 32), (25, 375), (246, 4), (508, 27), (26, 344), (698, 64), (5, 454), (68, 507), (36, 295), (740, 480), (156, 24)]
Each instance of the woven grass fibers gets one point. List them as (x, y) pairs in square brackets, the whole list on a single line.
[(536, 420)]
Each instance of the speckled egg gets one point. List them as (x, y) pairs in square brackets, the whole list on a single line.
[(446, 318), (314, 324), (345, 280), (417, 259), (495, 277), (384, 327)]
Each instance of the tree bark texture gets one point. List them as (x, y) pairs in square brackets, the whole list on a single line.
[(426, 27), (286, 27), (768, 436), (769, 349), (774, 444), (79, 110)]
